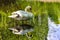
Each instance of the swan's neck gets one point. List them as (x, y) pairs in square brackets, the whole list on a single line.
[(26, 10)]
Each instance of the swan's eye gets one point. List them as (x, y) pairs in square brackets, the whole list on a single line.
[(30, 8)]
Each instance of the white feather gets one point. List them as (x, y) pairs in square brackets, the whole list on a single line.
[(54, 30), (22, 32), (23, 15)]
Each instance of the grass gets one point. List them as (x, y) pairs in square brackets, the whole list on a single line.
[(38, 8)]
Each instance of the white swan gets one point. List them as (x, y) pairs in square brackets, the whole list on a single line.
[(22, 29), (22, 15), (54, 30)]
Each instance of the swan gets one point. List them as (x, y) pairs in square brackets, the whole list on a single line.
[(54, 30), (22, 15), (22, 29)]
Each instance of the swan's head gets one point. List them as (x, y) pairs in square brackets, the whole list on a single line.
[(28, 9)]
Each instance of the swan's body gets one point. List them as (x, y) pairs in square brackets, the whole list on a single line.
[(22, 29), (22, 15), (54, 30)]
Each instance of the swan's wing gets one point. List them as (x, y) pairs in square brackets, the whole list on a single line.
[(25, 14), (21, 15)]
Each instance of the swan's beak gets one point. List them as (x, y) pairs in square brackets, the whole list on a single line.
[(13, 16)]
